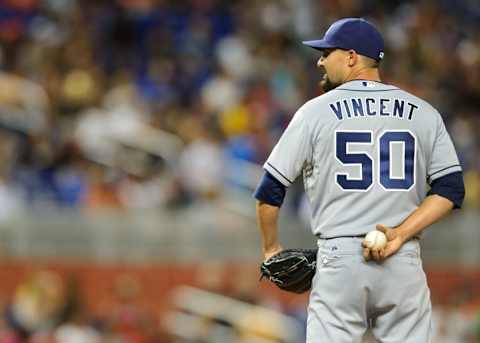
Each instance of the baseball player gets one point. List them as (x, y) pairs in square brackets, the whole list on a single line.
[(366, 151)]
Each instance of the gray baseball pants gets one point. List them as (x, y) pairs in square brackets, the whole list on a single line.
[(350, 294)]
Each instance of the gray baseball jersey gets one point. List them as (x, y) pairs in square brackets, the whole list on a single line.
[(366, 151)]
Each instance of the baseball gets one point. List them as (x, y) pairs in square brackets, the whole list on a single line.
[(375, 240)]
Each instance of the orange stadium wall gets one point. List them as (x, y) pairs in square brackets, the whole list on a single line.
[(96, 282)]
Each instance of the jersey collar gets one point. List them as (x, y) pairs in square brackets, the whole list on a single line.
[(365, 85)]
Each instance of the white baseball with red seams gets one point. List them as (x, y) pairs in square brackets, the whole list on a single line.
[(375, 240)]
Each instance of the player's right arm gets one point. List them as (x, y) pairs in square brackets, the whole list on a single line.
[(267, 218), (283, 166), (269, 194)]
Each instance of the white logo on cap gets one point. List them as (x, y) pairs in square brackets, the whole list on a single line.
[(381, 54)]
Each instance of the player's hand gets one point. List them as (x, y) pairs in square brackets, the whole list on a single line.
[(394, 242), (272, 251)]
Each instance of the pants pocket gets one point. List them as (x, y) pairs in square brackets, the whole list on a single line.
[(329, 259)]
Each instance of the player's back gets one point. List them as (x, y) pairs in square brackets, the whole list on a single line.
[(374, 147)]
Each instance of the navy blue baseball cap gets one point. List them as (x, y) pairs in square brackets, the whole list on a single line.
[(352, 33)]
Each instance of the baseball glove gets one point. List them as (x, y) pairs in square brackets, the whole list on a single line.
[(291, 270)]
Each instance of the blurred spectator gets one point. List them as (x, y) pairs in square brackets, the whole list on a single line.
[(202, 163), (220, 92), (24, 105), (476, 328), (449, 325), (149, 186), (38, 305), (128, 321), (101, 193), (76, 330), (11, 202)]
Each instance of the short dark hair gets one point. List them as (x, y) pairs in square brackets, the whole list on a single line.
[(370, 62)]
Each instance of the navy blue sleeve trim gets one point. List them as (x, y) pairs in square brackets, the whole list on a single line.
[(451, 187), (270, 190), (429, 177), (279, 173)]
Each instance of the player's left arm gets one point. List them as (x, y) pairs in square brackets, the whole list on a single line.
[(444, 174)]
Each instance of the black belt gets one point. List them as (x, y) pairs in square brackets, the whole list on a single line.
[(359, 236), (354, 236)]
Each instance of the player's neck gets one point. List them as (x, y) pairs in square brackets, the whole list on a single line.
[(369, 74)]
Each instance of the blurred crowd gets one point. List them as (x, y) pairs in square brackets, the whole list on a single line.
[(119, 104)]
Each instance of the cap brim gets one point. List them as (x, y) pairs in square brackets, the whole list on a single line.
[(318, 44)]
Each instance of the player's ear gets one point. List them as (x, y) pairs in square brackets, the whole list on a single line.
[(352, 57)]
